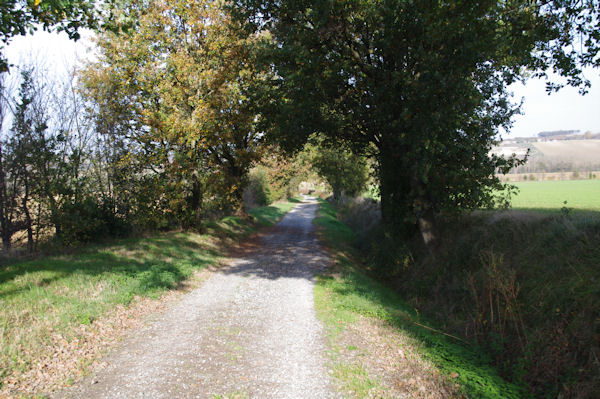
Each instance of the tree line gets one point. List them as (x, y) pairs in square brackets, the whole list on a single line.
[(186, 96), (159, 132), (155, 134)]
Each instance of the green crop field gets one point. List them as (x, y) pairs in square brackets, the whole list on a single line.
[(579, 194)]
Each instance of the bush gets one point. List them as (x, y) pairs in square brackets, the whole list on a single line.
[(362, 215), (258, 191), (88, 220)]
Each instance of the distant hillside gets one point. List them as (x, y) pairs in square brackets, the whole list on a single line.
[(578, 151), (550, 156)]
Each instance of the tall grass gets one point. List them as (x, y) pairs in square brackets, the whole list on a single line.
[(532, 295), (523, 284), (350, 292)]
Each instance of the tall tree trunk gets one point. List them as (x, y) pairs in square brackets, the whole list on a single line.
[(38, 223), (238, 178), (28, 223), (55, 215), (196, 199), (429, 231), (337, 194), (5, 225), (394, 190), (425, 214), (398, 186)]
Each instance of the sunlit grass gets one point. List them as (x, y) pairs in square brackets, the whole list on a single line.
[(47, 296), (269, 215), (551, 195)]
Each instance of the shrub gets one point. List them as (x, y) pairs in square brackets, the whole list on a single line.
[(362, 215), (88, 220), (522, 285), (258, 191)]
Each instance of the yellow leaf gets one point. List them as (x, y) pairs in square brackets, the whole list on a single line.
[(37, 2)]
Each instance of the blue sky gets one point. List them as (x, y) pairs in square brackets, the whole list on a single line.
[(565, 110)]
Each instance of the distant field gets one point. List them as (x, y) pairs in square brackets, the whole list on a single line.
[(574, 150), (579, 194)]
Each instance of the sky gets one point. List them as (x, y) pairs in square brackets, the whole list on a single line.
[(55, 51), (565, 110)]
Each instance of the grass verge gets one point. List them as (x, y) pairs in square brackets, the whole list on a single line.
[(348, 296), (56, 303)]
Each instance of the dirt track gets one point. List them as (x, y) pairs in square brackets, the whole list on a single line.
[(249, 331)]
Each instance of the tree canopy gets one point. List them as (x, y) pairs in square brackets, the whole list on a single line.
[(157, 132), (183, 100), (419, 85), (172, 91)]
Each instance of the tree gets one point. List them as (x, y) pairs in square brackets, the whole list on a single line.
[(170, 98), (420, 85), (346, 173), (6, 202), (28, 154)]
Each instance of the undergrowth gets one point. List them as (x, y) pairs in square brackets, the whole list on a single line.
[(350, 292), (521, 284), (527, 288)]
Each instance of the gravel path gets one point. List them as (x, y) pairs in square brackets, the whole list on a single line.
[(249, 331)]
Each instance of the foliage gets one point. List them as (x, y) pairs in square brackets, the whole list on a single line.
[(520, 283), (21, 17), (345, 172), (44, 158), (258, 191), (169, 101), (420, 85), (28, 155), (88, 220), (157, 133), (284, 172)]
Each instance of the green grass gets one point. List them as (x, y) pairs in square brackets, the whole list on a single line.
[(550, 195), (269, 215), (341, 298), (54, 294)]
